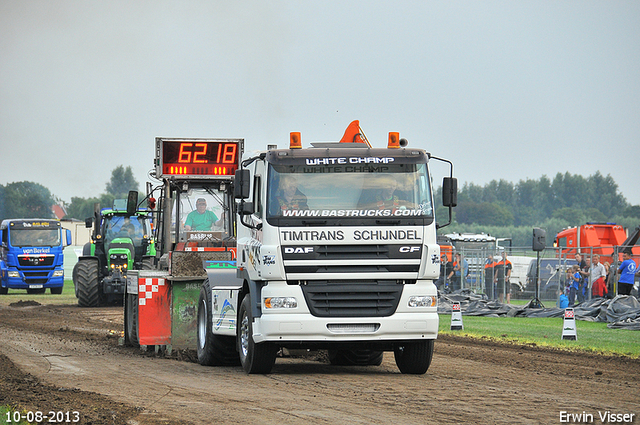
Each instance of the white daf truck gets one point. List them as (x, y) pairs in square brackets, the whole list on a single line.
[(336, 250)]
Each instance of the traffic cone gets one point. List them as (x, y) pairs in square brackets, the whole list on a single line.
[(456, 317), (569, 325)]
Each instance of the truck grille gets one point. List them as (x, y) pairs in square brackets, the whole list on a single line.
[(352, 299), (35, 260), (30, 275), (309, 262)]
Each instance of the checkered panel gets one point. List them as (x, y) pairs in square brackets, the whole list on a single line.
[(147, 287)]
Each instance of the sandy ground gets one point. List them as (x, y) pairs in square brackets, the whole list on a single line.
[(66, 358)]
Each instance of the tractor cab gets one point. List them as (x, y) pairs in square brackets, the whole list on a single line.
[(118, 229)]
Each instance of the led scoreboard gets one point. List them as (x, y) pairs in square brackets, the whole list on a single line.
[(197, 158)]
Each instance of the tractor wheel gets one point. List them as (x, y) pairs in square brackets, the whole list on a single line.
[(87, 284), (355, 357), (255, 358), (213, 350), (147, 263), (74, 278), (414, 357), (131, 320)]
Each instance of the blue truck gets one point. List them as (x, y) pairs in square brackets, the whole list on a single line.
[(31, 256)]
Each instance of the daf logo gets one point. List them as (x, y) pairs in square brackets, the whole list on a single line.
[(409, 249), (298, 250)]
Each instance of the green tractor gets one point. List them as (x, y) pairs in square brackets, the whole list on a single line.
[(121, 240)]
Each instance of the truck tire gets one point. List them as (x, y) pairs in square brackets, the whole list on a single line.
[(255, 358), (213, 350), (57, 291), (131, 320), (414, 357), (3, 290), (355, 357), (87, 289)]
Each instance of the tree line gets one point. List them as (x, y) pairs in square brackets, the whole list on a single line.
[(500, 208), (504, 209), (33, 200)]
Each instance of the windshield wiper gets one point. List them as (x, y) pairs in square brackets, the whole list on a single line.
[(388, 221), (314, 222)]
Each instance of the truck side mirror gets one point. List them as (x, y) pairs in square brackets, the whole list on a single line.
[(449, 191), (68, 237), (245, 208), (132, 202), (242, 184)]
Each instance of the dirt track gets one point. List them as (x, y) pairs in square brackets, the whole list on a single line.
[(74, 363)]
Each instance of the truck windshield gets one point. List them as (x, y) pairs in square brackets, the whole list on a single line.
[(349, 194), (35, 237)]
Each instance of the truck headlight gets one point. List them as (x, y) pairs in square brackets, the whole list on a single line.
[(13, 274), (423, 301), (280, 302), (58, 273)]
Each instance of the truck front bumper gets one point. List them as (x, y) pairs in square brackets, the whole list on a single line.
[(307, 328), (23, 282), (298, 324)]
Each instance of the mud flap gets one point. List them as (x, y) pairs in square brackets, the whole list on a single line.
[(154, 309)]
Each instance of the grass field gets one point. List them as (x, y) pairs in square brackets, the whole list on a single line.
[(68, 296), (547, 332)]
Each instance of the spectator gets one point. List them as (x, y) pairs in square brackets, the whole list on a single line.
[(503, 273), (584, 273), (569, 280), (489, 277), (608, 280), (627, 272), (599, 289), (459, 273), (446, 267), (575, 284), (563, 301), (597, 278)]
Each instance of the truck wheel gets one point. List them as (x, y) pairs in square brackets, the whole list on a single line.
[(255, 358), (56, 291), (213, 350), (87, 284), (414, 357), (355, 357), (131, 320), (3, 291)]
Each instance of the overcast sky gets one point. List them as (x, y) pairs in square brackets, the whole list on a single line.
[(505, 89)]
